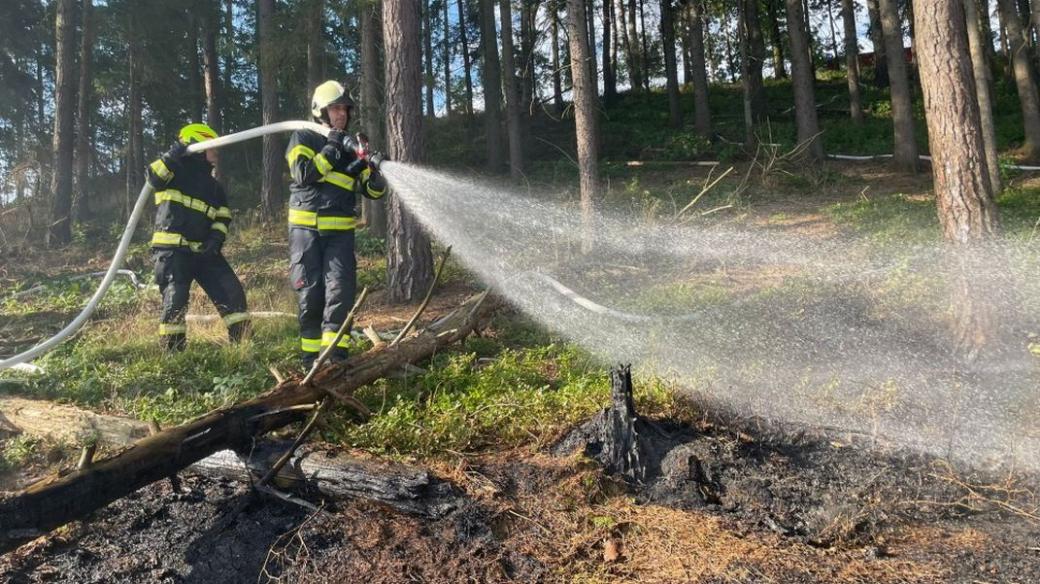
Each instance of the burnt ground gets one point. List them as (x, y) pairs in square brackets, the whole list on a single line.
[(734, 503)]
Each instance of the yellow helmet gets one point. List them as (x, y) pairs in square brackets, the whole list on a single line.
[(329, 93), (196, 133)]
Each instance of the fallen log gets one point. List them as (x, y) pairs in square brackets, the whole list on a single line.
[(65, 497)]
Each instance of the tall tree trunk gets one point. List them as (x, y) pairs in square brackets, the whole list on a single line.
[(982, 73), (609, 73), (902, 109), (645, 59), (492, 86), (229, 42), (776, 40), (752, 52), (211, 70), (516, 148), (466, 63), (987, 33), (701, 107), (961, 177), (528, 14), (270, 185), (374, 211), (585, 122), (1025, 77), (590, 14), (635, 59), (834, 32), (194, 70), (135, 142), (877, 38), (615, 45), (670, 69), (554, 9), (315, 47), (802, 80), (427, 32), (83, 110), (59, 232), (848, 17), (409, 258), (446, 45), (684, 42)]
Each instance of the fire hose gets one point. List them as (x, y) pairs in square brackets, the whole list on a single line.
[(128, 233)]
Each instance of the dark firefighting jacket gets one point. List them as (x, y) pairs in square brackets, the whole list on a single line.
[(191, 204), (324, 187)]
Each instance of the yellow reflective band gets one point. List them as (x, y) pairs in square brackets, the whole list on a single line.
[(161, 170), (219, 227), (175, 196), (366, 173), (223, 213), (374, 193), (167, 238), (304, 218), (328, 336), (172, 329), (235, 318), (297, 151), (340, 180), (322, 163), (310, 345), (336, 223)]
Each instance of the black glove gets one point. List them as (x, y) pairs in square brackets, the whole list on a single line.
[(336, 137), (355, 168), (376, 159), (176, 152), (212, 246)]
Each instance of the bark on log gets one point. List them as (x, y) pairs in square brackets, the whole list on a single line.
[(65, 497)]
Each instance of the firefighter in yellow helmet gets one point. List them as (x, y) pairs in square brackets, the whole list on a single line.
[(327, 175), (191, 224)]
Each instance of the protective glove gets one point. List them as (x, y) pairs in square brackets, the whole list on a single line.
[(336, 137), (176, 152), (376, 159), (355, 168), (212, 246)]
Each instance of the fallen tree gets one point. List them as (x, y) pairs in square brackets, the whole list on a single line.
[(65, 497)]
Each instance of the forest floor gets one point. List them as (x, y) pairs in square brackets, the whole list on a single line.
[(752, 501)]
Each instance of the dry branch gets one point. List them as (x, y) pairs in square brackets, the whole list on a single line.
[(63, 498)]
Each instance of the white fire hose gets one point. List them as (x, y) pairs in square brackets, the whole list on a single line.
[(124, 243)]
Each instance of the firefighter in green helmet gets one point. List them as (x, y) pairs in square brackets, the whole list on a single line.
[(327, 175), (191, 224)]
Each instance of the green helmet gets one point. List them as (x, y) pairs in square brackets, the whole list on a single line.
[(330, 93), (196, 133)]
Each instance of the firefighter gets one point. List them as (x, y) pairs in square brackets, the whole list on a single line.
[(327, 175), (191, 224)]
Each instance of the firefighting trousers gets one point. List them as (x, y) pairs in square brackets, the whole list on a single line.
[(323, 272), (175, 270)]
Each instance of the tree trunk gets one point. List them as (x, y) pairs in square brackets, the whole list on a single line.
[(492, 87), (516, 148), (135, 141), (466, 63), (701, 107), (802, 80), (877, 38), (374, 211), (585, 119), (83, 111), (447, 59), (752, 52), (645, 60), (591, 23), (635, 60), (961, 177), (1025, 77), (834, 32), (409, 263), (272, 163), (63, 498), (983, 85), (59, 232), (427, 33), (609, 73), (528, 15), (902, 109), (670, 68), (315, 47), (776, 40), (554, 10), (211, 69), (229, 42), (194, 70), (848, 17)]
